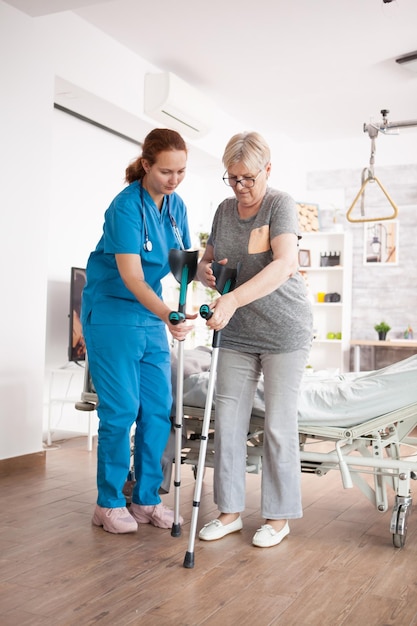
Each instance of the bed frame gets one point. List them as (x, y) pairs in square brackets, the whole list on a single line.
[(375, 455)]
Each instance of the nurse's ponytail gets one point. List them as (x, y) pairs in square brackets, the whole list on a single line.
[(158, 140)]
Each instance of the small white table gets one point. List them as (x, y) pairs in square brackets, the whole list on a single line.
[(64, 384), (394, 343)]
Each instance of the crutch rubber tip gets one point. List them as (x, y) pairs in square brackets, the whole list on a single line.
[(189, 560), (176, 530)]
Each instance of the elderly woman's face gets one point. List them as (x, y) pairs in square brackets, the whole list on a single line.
[(249, 187)]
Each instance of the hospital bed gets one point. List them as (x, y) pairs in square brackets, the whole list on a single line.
[(359, 424)]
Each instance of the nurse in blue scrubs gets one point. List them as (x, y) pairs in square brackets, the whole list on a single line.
[(124, 324)]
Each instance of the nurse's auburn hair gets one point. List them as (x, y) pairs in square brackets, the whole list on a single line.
[(158, 140)]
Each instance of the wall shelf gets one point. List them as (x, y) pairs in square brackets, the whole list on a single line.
[(328, 317)]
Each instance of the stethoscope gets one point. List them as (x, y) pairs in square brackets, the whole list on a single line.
[(147, 245)]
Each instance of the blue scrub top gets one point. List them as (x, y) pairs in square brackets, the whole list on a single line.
[(106, 300)]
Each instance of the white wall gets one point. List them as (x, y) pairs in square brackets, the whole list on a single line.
[(37, 218), (291, 162), (25, 165)]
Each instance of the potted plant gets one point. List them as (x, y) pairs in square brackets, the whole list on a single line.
[(382, 328)]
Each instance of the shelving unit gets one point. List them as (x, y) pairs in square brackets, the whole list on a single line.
[(329, 317)]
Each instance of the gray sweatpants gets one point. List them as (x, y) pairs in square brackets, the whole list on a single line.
[(237, 377)]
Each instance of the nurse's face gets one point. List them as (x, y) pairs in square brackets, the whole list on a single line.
[(164, 176)]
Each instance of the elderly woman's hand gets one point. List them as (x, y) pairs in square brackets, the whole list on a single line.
[(223, 310), (205, 270), (209, 278)]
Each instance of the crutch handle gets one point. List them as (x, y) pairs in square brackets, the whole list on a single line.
[(175, 317), (205, 311)]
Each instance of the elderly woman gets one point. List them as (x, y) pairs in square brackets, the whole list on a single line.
[(266, 324)]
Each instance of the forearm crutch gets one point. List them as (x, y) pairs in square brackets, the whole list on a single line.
[(225, 282), (183, 265)]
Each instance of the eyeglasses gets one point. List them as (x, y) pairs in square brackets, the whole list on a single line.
[(245, 181)]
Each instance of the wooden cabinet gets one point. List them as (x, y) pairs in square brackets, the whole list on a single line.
[(329, 277)]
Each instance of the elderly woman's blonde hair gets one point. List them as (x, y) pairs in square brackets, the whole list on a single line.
[(249, 148)]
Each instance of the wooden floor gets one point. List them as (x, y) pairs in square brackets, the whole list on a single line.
[(338, 565)]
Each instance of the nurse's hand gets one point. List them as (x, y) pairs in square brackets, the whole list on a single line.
[(181, 330)]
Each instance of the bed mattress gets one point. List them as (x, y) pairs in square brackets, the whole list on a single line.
[(325, 399)]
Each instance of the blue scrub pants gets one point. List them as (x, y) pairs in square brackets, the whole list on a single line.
[(131, 370)]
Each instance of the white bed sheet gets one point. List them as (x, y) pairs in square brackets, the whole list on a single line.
[(325, 400)]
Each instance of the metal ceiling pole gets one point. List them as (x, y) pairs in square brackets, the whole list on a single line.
[(386, 125)]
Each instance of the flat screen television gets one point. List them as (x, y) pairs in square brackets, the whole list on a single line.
[(76, 344)]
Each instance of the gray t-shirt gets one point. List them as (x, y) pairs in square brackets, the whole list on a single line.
[(281, 321)]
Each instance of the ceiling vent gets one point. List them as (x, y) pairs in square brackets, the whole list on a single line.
[(177, 105)]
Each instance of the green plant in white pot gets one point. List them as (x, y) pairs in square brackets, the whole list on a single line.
[(382, 329)]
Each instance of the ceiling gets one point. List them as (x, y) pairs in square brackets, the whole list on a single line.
[(315, 71)]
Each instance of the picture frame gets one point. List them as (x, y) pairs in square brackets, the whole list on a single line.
[(308, 217), (304, 259), (381, 243)]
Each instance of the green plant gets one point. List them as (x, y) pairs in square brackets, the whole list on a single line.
[(382, 327), (203, 237)]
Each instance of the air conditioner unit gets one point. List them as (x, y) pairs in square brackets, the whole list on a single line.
[(177, 105)]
